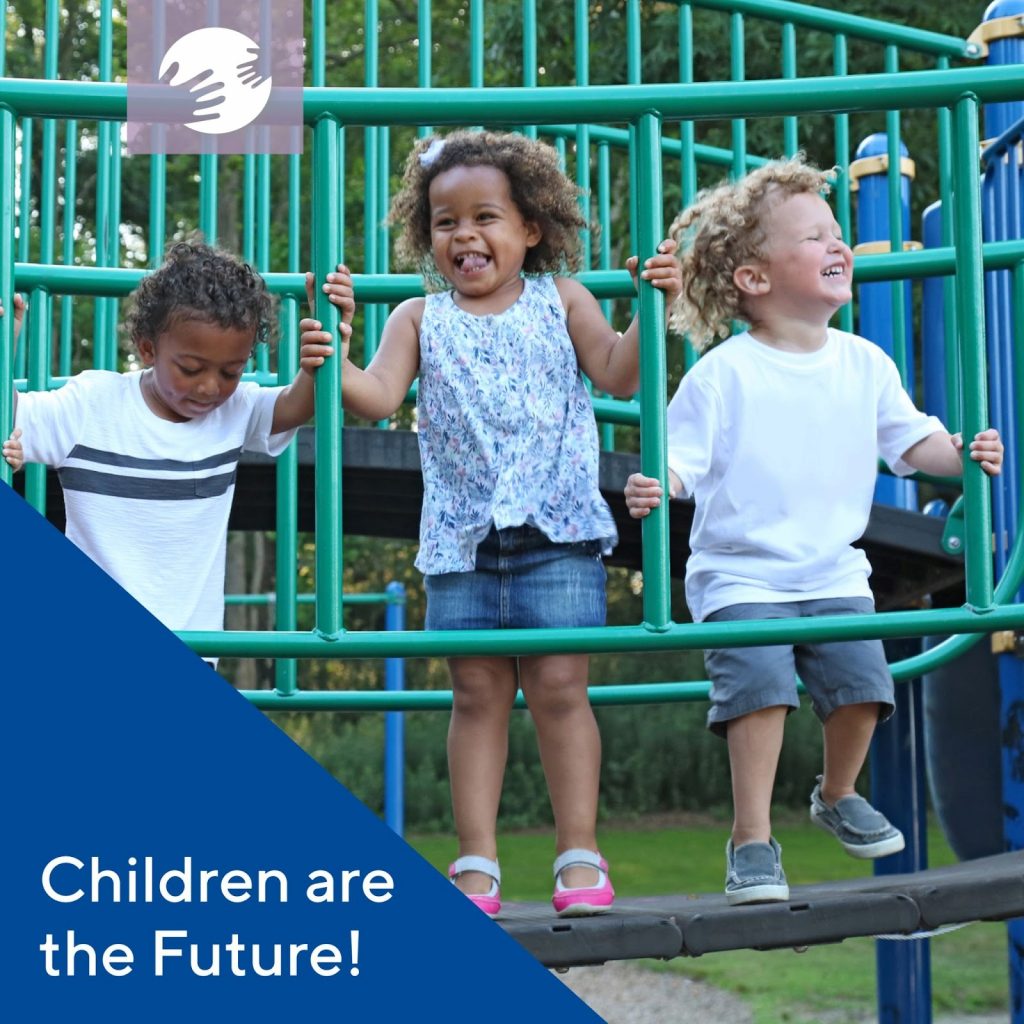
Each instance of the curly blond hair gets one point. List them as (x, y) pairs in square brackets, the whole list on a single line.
[(724, 229), (539, 189)]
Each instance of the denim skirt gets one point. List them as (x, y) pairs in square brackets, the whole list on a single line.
[(522, 580)]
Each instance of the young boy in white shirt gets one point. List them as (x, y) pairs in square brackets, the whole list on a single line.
[(147, 459), (775, 433)]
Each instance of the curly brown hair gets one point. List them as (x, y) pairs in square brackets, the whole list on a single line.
[(539, 189), (199, 282), (722, 230)]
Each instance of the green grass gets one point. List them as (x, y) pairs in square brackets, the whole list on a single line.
[(834, 983)]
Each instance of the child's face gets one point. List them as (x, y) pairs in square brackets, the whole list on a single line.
[(809, 267), (478, 235), (196, 367)]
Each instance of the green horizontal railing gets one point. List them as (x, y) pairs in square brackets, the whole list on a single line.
[(604, 639), (912, 265), (558, 104), (840, 23)]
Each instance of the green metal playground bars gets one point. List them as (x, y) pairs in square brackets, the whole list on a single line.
[(645, 107), (792, 16)]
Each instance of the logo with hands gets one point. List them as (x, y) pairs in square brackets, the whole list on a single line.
[(217, 72)]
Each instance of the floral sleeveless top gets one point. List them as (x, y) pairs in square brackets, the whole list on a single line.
[(506, 430)]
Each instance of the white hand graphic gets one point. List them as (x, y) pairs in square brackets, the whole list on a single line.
[(194, 94), (241, 90)]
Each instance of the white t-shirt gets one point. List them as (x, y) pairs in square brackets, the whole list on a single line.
[(779, 451), (148, 499)]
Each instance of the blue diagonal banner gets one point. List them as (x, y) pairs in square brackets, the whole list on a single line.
[(170, 855)]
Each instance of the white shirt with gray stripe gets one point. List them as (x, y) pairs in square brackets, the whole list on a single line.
[(148, 499)]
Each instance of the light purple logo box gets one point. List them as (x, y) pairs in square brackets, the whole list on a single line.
[(209, 77)]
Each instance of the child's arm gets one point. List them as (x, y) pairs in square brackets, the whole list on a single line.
[(611, 360), (295, 404), (376, 392), (13, 451), (693, 419), (644, 493), (940, 453)]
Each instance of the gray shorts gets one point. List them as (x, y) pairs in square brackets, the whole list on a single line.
[(747, 679)]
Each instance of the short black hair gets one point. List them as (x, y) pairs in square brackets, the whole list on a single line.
[(200, 282)]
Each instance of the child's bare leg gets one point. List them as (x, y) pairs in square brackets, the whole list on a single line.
[(755, 741), (555, 687), (848, 731), (483, 692)]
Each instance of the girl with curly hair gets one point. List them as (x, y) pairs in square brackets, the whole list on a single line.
[(513, 524), (776, 433), (147, 459)]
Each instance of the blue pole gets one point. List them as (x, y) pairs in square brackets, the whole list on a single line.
[(394, 721), (898, 790), (1007, 50), (877, 307), (1002, 218), (903, 969)]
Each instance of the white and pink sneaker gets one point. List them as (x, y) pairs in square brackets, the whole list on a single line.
[(595, 899), (490, 901)]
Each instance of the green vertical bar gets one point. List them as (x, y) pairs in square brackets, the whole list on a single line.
[(157, 208), (380, 264), (949, 301), (114, 244), (971, 312), (38, 366), (894, 181), (40, 334), (634, 66), (208, 196), (383, 187), (423, 61), (372, 210), (68, 250), (634, 61), (249, 208), (263, 228), (40, 329), (7, 217), (286, 543), (326, 251), (789, 132), (319, 43), (688, 159), (737, 73), (604, 215), (581, 33), (48, 182), (24, 220), (687, 163), (476, 44), (157, 163), (653, 432), (104, 337), (25, 208), (842, 185), (530, 55)]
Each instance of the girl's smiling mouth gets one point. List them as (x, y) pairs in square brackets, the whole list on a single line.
[(469, 262)]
